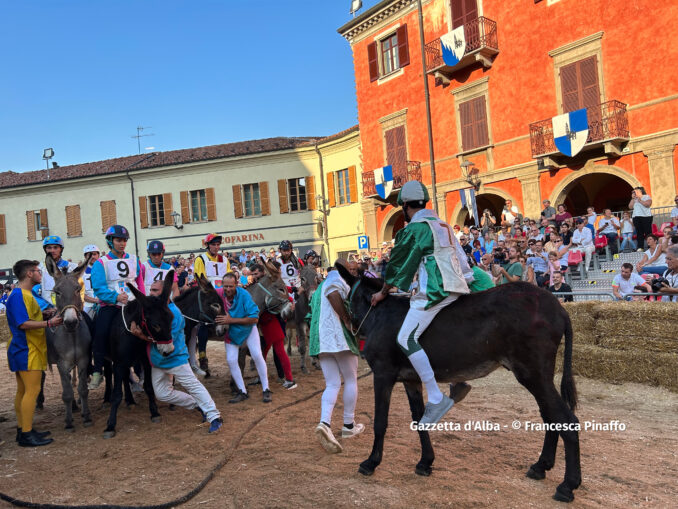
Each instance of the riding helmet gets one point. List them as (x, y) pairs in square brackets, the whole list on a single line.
[(413, 191), (211, 238), (310, 253), (52, 240), (285, 244), (117, 231), (155, 247), (91, 248)]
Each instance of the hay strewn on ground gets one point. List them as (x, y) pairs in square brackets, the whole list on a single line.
[(4, 330), (626, 341)]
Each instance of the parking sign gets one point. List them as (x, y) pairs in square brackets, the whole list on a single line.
[(363, 242)]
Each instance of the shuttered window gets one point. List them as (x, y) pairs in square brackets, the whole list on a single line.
[(251, 200), (396, 148), (108, 214), (265, 201), (198, 205), (185, 211), (389, 54), (3, 230), (580, 87), (473, 122), (297, 194), (36, 224), (331, 193), (463, 11), (155, 210), (73, 221)]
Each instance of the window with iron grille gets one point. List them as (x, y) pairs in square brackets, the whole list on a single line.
[(156, 215), (297, 193), (252, 200), (198, 205), (389, 54), (343, 187)]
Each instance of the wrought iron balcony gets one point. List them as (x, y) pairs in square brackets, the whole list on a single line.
[(409, 170), (608, 126), (481, 46)]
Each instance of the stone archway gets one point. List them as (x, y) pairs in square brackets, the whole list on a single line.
[(600, 187), (392, 223), (490, 197)]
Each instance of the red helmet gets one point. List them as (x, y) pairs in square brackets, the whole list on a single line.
[(210, 238)]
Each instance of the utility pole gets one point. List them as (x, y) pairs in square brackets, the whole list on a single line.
[(138, 136), (427, 98)]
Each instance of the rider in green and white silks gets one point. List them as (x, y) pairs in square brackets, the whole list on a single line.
[(426, 247)]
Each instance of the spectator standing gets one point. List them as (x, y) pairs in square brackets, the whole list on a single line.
[(591, 216), (671, 275), (243, 257), (642, 215), (654, 259), (563, 216), (627, 232), (609, 225), (487, 221), (582, 240), (626, 281), (513, 270), (488, 243), (510, 213), (559, 286), (548, 212)]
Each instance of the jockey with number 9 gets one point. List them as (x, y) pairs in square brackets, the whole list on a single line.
[(427, 247), (155, 269), (214, 267), (109, 277)]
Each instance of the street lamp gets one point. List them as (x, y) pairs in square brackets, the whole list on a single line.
[(175, 220), (470, 173), (48, 154)]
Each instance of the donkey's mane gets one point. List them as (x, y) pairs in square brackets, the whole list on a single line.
[(183, 296)]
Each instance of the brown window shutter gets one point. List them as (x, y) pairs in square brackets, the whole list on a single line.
[(78, 220), (185, 211), (30, 224), (282, 196), (403, 48), (3, 230), (237, 202), (352, 184), (589, 89), (457, 7), (211, 204), (569, 84), (373, 61), (466, 123), (389, 137), (481, 134), (143, 212), (167, 208), (264, 199), (400, 150), (470, 10), (108, 214), (310, 192), (331, 197), (44, 223), (73, 222)]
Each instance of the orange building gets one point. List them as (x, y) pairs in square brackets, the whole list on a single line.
[(524, 62)]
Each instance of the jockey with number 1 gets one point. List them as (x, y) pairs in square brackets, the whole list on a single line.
[(427, 247), (214, 267), (110, 275), (155, 269)]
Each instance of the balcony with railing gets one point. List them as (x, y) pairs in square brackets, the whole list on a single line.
[(481, 46), (410, 170), (608, 127)]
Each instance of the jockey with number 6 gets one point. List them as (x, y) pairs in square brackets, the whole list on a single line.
[(155, 269), (427, 247), (214, 267), (110, 275)]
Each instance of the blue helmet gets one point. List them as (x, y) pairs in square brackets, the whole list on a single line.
[(52, 240), (155, 247), (117, 231)]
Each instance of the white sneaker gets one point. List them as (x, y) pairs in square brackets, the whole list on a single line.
[(198, 371), (355, 430), (327, 439)]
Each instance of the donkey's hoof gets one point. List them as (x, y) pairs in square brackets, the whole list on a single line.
[(109, 434), (423, 470), (563, 494), (366, 468), (70, 428), (156, 419), (304, 370), (535, 474), (88, 423)]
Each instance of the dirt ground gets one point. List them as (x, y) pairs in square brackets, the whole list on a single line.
[(273, 459)]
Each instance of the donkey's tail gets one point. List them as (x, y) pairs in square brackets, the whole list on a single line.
[(568, 390)]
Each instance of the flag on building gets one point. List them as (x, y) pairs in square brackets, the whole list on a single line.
[(570, 131), (468, 201)]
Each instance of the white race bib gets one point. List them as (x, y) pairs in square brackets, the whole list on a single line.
[(119, 272), (214, 271), (290, 274), (152, 275)]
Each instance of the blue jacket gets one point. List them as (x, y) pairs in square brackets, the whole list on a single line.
[(243, 307), (180, 354), (98, 280)]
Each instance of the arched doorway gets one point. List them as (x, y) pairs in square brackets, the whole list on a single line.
[(491, 199), (393, 223), (600, 190)]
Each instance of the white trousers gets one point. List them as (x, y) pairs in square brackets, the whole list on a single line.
[(254, 345), (418, 319), (588, 253), (335, 366), (197, 394)]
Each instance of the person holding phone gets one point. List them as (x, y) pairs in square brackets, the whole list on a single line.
[(642, 214)]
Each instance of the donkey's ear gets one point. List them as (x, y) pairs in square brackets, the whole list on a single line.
[(78, 270), (137, 294), (204, 283), (345, 274), (52, 268), (167, 285), (272, 270)]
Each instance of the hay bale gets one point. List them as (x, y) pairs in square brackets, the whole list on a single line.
[(583, 322), (618, 366), (649, 343), (637, 312)]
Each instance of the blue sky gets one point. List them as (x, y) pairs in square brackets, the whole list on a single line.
[(80, 76)]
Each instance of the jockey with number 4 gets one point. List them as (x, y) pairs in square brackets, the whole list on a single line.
[(427, 247), (109, 276), (155, 269), (214, 267)]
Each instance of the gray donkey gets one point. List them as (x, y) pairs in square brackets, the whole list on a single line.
[(309, 282), (69, 345)]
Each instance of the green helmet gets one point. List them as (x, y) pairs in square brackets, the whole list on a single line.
[(413, 191)]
